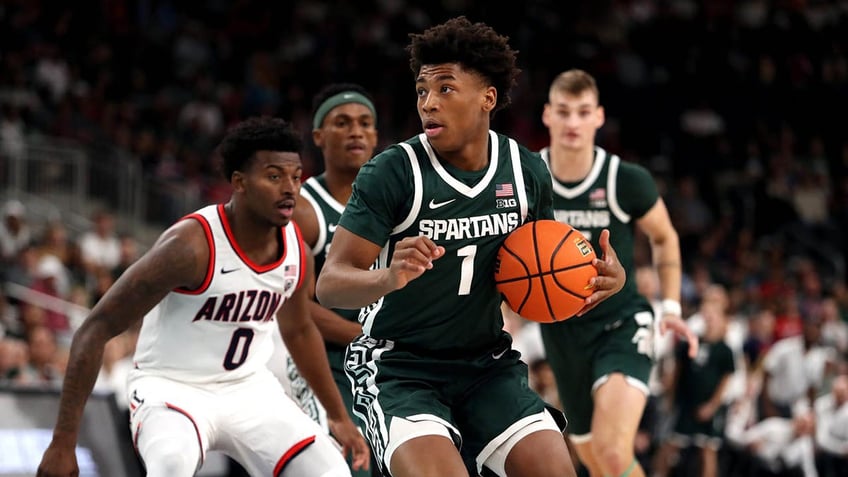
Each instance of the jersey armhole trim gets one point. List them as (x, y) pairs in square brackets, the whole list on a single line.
[(612, 192), (210, 266), (302, 247)]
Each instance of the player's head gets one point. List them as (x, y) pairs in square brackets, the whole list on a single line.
[(463, 74), (573, 113), (344, 126), (261, 158)]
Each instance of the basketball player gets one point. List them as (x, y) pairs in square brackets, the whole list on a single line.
[(210, 291), (602, 359), (344, 127), (435, 209)]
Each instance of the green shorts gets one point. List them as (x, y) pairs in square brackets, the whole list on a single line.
[(476, 399), (688, 430), (583, 352)]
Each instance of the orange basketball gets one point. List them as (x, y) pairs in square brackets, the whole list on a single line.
[(543, 270)]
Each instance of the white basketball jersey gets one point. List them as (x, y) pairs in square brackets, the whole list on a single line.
[(222, 330)]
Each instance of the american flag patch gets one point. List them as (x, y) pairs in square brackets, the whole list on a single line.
[(598, 194), (503, 190), (290, 271)]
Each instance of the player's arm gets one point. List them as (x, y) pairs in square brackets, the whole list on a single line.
[(178, 259), (306, 346), (346, 281), (665, 252), (333, 327)]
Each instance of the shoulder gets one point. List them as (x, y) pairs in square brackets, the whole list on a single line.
[(628, 170), (390, 164), (192, 230)]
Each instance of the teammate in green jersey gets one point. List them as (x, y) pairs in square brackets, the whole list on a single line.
[(434, 374), (344, 127), (602, 359)]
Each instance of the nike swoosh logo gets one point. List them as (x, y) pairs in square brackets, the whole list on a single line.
[(223, 270), (436, 205), (498, 355), (332, 228)]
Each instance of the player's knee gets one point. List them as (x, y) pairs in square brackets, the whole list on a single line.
[(321, 458), (616, 460), (163, 459)]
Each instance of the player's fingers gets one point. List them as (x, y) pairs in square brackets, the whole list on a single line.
[(606, 246), (421, 243), (361, 456)]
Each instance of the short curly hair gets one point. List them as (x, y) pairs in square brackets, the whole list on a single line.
[(245, 139), (475, 46)]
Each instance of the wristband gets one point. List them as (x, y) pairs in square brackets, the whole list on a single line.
[(671, 307)]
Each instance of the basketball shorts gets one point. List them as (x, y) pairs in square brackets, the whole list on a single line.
[(478, 402), (689, 430), (583, 353), (253, 420)]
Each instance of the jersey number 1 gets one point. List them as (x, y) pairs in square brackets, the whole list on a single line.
[(467, 270)]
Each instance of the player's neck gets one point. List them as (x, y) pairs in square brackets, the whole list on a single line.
[(252, 236), (472, 156), (571, 165), (339, 184)]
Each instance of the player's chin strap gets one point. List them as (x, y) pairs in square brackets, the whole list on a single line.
[(629, 470)]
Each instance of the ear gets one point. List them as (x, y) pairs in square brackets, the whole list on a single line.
[(546, 115), (318, 138), (237, 181), (602, 117), (490, 98)]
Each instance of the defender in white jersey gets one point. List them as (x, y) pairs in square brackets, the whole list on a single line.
[(210, 291)]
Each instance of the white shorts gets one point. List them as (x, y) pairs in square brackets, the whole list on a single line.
[(253, 421)]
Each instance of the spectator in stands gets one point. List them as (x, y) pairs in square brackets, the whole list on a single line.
[(832, 429), (100, 247), (43, 367), (52, 280), (14, 355), (782, 446), (129, 254), (15, 233), (55, 241), (760, 338), (794, 371), (697, 390), (834, 329)]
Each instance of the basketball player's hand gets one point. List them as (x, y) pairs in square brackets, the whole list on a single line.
[(348, 435), (58, 461), (611, 275), (412, 257), (675, 323)]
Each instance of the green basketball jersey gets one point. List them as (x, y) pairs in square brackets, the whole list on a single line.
[(328, 211), (406, 191), (612, 196)]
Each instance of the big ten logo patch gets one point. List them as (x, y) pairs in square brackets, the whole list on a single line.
[(504, 203), (583, 246)]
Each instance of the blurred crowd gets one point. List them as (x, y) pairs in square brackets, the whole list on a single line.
[(733, 105)]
